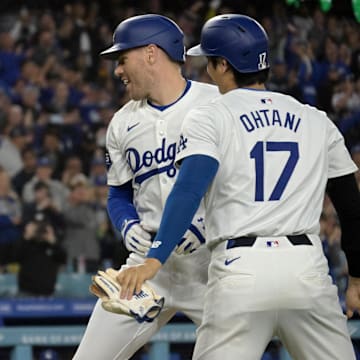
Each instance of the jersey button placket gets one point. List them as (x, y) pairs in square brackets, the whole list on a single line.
[(161, 128), (161, 133)]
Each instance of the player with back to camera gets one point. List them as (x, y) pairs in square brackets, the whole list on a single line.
[(263, 161), (141, 143)]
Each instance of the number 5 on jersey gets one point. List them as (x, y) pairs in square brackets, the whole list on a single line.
[(258, 153)]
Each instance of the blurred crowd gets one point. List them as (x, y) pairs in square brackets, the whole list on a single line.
[(57, 97)]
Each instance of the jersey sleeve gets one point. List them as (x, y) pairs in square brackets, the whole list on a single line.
[(340, 162), (199, 134), (118, 171)]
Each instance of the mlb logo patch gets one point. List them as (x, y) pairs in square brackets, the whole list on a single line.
[(272, 243), (266, 101)]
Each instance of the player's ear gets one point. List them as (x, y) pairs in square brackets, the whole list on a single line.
[(151, 53), (224, 65)]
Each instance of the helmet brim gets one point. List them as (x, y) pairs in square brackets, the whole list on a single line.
[(112, 53), (196, 51)]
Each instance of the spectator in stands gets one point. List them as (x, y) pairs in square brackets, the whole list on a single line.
[(108, 240), (317, 33), (43, 206), (10, 211), (78, 13), (52, 148), (44, 173), (73, 167), (5, 104), (10, 149), (80, 218), (29, 100), (106, 111), (278, 79), (354, 42), (46, 52), (31, 73), (28, 171), (97, 169), (40, 257), (15, 116), (23, 29), (62, 111), (10, 60), (346, 100), (68, 40)]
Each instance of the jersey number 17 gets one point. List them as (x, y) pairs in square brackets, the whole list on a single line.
[(258, 153)]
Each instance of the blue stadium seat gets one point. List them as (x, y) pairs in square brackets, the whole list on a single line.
[(8, 285), (73, 285)]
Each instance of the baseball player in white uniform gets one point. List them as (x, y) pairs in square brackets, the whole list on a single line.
[(142, 145), (263, 161)]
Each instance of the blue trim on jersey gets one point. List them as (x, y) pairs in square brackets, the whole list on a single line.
[(195, 175), (164, 107), (120, 204), (140, 178)]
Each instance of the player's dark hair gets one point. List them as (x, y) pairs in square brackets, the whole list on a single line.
[(243, 79)]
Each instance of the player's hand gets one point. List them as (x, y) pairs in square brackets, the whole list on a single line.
[(136, 238), (353, 296), (132, 278), (193, 239)]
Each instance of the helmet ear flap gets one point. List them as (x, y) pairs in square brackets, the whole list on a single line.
[(147, 29)]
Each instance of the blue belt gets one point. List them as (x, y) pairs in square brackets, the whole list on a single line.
[(250, 240)]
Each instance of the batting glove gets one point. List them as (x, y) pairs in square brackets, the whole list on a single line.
[(136, 239), (193, 238)]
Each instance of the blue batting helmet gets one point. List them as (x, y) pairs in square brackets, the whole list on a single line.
[(241, 40), (147, 29)]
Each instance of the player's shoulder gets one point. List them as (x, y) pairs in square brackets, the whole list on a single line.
[(205, 90), (312, 111)]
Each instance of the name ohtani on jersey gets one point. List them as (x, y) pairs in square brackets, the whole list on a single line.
[(149, 161), (269, 117)]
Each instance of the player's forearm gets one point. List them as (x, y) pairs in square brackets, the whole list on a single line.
[(120, 205), (344, 194), (195, 176)]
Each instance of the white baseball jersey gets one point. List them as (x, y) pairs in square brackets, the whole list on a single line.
[(142, 144), (275, 156), (269, 147)]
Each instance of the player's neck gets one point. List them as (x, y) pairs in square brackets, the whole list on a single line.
[(168, 90), (256, 86)]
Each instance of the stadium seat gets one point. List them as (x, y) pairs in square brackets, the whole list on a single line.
[(73, 285), (8, 285)]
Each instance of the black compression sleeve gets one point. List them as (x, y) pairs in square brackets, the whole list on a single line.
[(345, 196)]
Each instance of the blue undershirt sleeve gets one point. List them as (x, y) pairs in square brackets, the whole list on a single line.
[(120, 204), (195, 175)]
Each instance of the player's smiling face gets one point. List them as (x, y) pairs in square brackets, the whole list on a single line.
[(134, 71)]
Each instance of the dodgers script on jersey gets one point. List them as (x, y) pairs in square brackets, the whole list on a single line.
[(142, 148), (278, 145)]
